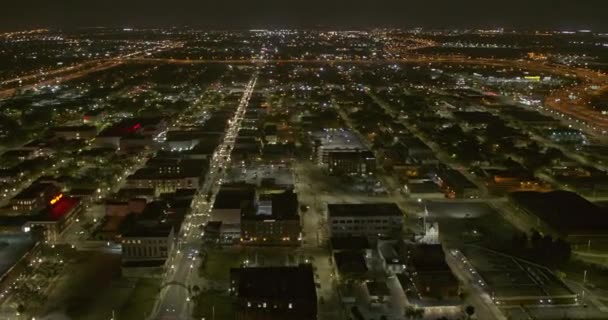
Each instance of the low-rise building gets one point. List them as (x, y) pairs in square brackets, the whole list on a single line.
[(456, 185), (341, 152), (146, 128), (94, 116), (231, 203), (123, 208), (168, 175), (424, 190), (162, 183), (429, 277), (83, 132), (149, 245), (35, 197), (54, 218), (562, 214), (355, 162), (275, 222), (391, 257), (271, 293), (351, 264), (148, 238), (365, 219)]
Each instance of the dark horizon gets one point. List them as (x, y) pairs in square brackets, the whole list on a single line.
[(356, 14)]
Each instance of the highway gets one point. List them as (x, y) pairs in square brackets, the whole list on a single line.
[(11, 86), (174, 299)]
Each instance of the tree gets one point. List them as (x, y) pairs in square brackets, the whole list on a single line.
[(419, 314), (563, 250), (409, 312), (196, 289), (470, 311), (519, 241), (414, 313), (535, 238)]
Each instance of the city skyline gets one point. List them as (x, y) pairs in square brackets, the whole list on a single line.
[(240, 14), (233, 160)]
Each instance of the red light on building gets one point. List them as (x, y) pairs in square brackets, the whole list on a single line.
[(133, 128), (61, 207)]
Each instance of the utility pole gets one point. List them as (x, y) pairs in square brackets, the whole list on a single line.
[(584, 277)]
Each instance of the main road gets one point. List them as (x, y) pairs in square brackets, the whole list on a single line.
[(174, 298)]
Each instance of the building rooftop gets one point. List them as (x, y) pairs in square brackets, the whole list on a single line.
[(427, 257), (284, 207), (34, 190), (160, 168), (50, 213), (352, 262), (129, 126), (128, 193), (338, 139), (364, 209), (566, 212), (74, 128), (350, 243), (161, 231), (235, 196), (275, 283)]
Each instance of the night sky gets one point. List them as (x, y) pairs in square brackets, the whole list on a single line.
[(236, 14)]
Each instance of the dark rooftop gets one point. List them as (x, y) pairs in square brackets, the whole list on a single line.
[(349, 243), (350, 262), (364, 209), (280, 283), (564, 211), (234, 196), (74, 128), (152, 232), (427, 257), (35, 190)]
